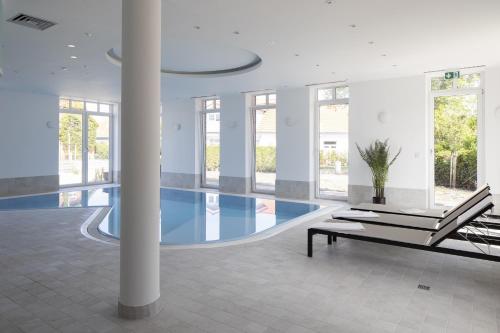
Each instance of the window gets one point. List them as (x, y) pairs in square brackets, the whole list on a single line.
[(456, 136), (264, 143), (264, 99), (332, 137), (325, 94), (331, 94), (85, 129), (464, 81), (210, 128)]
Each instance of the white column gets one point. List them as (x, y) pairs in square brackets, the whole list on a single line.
[(140, 183), (295, 128), (236, 149)]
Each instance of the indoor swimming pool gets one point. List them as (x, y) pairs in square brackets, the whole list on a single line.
[(187, 217)]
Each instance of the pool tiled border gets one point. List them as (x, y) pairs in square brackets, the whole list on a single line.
[(90, 230)]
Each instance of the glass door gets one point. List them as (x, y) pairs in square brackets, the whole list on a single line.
[(210, 137), (70, 149), (333, 150), (332, 142), (264, 151), (84, 143), (97, 149), (264, 142), (457, 144)]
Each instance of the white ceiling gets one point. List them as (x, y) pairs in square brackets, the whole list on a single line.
[(416, 36)]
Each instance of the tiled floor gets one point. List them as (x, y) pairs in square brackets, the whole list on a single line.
[(52, 279)]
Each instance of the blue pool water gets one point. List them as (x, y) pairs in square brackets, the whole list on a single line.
[(187, 217)]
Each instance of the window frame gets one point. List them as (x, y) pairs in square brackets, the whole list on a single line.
[(341, 196), (204, 112), (253, 114)]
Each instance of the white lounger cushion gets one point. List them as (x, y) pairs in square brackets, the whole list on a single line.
[(383, 232), (436, 213), (403, 220)]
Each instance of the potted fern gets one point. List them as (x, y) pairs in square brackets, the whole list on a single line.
[(377, 158)]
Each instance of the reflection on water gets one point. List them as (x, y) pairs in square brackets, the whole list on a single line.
[(187, 217)]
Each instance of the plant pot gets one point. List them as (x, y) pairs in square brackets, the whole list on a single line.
[(379, 200)]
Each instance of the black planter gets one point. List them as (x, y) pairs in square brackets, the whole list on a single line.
[(379, 200)]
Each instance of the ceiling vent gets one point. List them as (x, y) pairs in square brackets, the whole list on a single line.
[(31, 22)]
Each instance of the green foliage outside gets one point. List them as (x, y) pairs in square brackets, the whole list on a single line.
[(327, 159), (455, 135), (265, 159), (70, 138), (377, 158), (212, 158)]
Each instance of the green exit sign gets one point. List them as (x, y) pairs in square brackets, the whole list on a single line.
[(451, 75)]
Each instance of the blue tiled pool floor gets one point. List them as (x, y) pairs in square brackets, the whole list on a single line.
[(187, 217)]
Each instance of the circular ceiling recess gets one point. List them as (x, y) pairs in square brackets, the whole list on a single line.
[(200, 59)]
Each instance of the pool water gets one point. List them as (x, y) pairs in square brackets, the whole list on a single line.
[(187, 217)]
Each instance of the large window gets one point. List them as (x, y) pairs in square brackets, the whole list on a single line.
[(332, 140), (210, 127), (84, 142), (456, 167), (264, 142)]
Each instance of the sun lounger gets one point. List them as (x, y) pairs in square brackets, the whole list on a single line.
[(477, 196), (422, 222), (409, 238)]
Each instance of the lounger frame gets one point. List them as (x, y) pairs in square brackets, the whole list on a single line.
[(332, 236)]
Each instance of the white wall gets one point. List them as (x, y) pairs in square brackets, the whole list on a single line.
[(294, 126), (235, 136), (180, 135), (27, 146), (492, 128), (404, 102)]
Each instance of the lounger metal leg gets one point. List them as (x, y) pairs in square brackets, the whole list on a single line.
[(310, 235), (330, 239)]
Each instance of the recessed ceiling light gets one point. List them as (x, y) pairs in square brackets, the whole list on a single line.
[(236, 32), (197, 27), (317, 65), (272, 43), (296, 54), (371, 42), (73, 57), (353, 25), (64, 68), (88, 34), (394, 65), (333, 73), (52, 73), (384, 55), (329, 2), (71, 46)]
